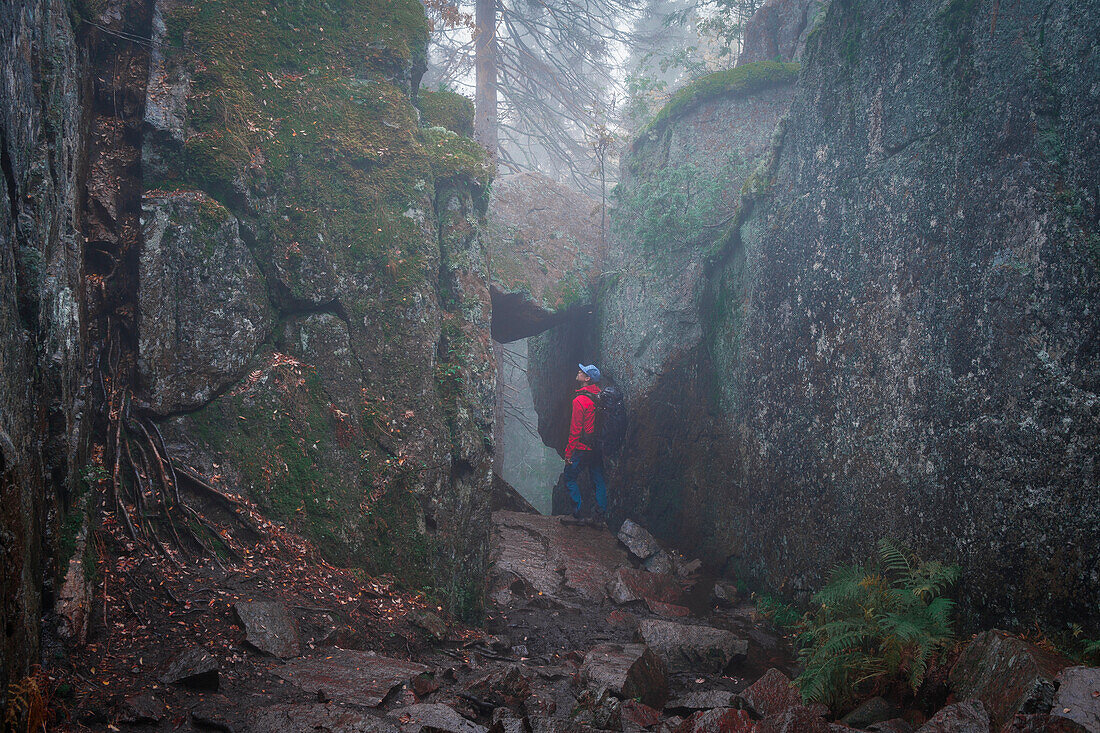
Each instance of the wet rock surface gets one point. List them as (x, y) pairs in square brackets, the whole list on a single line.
[(907, 283), (692, 647), (195, 667), (356, 677), (962, 717), (1008, 675), (1078, 697), (270, 628), (628, 671)]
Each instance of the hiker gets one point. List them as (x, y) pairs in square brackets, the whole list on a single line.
[(582, 449)]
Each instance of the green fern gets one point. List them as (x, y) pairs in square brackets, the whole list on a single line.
[(873, 624)]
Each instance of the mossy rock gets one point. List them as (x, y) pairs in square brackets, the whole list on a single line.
[(453, 156), (447, 109), (745, 79)]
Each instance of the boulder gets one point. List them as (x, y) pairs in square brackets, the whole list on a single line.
[(1008, 675), (269, 627), (143, 708), (435, 718), (355, 677), (692, 647), (772, 694), (627, 585), (693, 702), (631, 671), (962, 717), (1078, 697), (549, 558), (668, 610), (599, 708), (195, 667), (638, 540), (505, 689), (328, 717), (639, 714), (719, 720), (875, 710), (545, 243)]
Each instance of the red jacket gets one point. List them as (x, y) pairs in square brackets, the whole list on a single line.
[(583, 420)]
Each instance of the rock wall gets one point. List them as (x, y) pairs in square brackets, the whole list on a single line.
[(314, 295), (41, 289), (900, 330)]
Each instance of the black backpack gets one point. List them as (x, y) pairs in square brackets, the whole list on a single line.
[(609, 426)]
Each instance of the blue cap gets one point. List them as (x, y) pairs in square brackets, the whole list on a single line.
[(591, 371)]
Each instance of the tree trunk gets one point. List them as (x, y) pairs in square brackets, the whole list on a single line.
[(485, 65)]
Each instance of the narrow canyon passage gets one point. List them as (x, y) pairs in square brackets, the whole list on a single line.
[(293, 298)]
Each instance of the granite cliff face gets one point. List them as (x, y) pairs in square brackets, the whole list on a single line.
[(246, 223), (41, 288), (897, 335), (314, 293)]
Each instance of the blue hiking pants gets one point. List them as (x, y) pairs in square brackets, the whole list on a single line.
[(593, 460)]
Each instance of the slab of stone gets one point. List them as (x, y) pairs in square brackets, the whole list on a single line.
[(1078, 697), (875, 710), (726, 720), (962, 717), (270, 628), (638, 540), (563, 563), (355, 677), (668, 610), (683, 646), (627, 585), (144, 708), (639, 714), (693, 702), (196, 668), (631, 671), (436, 718), (1009, 676), (327, 717), (772, 694)]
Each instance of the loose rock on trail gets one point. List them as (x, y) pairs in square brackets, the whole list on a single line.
[(579, 637), (284, 642)]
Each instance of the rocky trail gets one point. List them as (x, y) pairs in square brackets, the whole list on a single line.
[(580, 635), (586, 630)]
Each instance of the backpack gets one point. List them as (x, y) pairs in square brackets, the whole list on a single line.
[(609, 426)]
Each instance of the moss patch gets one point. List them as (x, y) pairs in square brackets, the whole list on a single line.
[(745, 79), (307, 97), (453, 156), (447, 109)]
